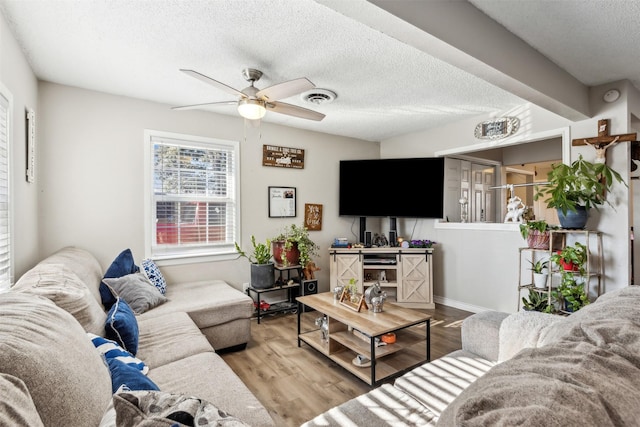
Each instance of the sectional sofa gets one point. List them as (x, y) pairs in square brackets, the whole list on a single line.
[(53, 372), (525, 369)]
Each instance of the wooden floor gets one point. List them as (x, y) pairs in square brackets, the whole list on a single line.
[(296, 384)]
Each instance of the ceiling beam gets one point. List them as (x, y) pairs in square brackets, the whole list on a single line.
[(461, 35)]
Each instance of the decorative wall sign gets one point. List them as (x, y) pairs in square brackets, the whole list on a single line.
[(282, 202), (498, 128), (31, 145), (313, 216), (282, 157)]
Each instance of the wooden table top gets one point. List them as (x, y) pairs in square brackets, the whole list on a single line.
[(392, 318)]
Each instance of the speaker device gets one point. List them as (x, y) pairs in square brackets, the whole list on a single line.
[(393, 238), (308, 287), (367, 239)]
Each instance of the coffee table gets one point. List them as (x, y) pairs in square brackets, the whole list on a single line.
[(412, 346)]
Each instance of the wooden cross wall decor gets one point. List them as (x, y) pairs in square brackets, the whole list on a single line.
[(603, 140)]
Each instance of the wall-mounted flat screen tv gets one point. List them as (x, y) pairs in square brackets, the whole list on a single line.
[(406, 188)]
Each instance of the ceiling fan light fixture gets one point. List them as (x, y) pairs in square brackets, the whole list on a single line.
[(252, 109)]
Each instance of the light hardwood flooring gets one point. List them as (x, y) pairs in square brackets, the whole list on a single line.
[(296, 384)]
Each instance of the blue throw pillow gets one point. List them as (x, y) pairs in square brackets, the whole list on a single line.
[(110, 349), (128, 378), (153, 273), (121, 266), (122, 326)]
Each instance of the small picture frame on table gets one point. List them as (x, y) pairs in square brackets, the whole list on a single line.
[(353, 301)]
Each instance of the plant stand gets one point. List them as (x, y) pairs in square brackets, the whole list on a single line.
[(281, 284), (594, 266)]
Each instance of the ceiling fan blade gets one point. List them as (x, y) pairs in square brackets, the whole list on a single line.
[(285, 89), (189, 107), (212, 82), (294, 110)]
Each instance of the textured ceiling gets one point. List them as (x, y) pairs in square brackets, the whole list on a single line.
[(385, 87), (596, 41)]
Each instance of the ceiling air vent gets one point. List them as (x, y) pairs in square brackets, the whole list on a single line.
[(318, 96)]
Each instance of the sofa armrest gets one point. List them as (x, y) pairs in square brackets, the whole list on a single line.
[(481, 334)]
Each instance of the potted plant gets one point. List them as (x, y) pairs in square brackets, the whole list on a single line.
[(261, 265), (571, 292), (539, 269), (536, 302), (293, 246), (571, 257), (573, 189), (536, 233)]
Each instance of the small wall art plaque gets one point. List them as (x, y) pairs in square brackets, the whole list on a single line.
[(313, 216), (282, 157)]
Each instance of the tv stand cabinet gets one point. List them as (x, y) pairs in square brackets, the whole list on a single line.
[(406, 274)]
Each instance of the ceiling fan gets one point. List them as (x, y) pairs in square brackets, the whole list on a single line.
[(253, 103)]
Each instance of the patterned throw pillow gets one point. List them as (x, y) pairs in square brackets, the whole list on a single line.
[(110, 349), (154, 275), (125, 377), (122, 326), (157, 408)]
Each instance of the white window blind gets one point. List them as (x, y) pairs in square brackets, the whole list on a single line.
[(6, 275), (194, 200)]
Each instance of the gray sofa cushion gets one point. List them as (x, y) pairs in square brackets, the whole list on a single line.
[(170, 337), (436, 384), (68, 380), (62, 286), (480, 334), (209, 303), (384, 406), (16, 406)]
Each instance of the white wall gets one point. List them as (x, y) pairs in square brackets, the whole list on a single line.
[(91, 176), (478, 269), (17, 77)]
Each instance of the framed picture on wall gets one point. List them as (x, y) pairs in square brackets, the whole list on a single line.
[(282, 202), (313, 216)]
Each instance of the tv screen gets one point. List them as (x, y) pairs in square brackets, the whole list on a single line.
[(410, 188)]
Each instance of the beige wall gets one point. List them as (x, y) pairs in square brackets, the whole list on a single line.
[(17, 77), (91, 176)]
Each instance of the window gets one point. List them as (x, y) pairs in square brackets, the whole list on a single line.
[(6, 265), (193, 203)]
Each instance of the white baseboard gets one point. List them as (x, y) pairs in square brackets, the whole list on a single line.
[(459, 305)]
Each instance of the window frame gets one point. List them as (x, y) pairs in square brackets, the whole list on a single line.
[(6, 94), (186, 256)]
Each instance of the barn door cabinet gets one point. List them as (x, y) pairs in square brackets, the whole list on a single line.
[(405, 274)]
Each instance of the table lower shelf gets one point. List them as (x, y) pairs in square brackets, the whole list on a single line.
[(409, 351)]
